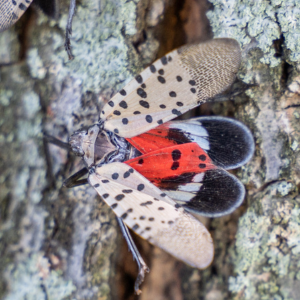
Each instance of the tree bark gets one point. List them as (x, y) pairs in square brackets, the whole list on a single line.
[(65, 244)]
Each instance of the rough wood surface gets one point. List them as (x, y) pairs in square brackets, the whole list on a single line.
[(65, 244)]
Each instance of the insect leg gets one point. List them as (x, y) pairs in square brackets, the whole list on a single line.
[(74, 180), (69, 29), (136, 256), (57, 142)]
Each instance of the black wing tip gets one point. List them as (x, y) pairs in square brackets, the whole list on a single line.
[(245, 141), (220, 195)]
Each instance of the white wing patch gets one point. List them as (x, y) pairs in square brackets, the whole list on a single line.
[(155, 217), (174, 84), (194, 131), (11, 11)]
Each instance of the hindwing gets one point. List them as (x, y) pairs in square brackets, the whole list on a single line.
[(228, 143)]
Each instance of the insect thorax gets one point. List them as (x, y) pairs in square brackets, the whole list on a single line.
[(98, 146)]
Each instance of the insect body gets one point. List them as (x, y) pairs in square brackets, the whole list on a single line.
[(151, 171), (149, 191)]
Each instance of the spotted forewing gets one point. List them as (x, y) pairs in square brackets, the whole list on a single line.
[(153, 215), (174, 84)]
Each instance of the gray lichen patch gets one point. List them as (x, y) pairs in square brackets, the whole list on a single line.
[(10, 47), (99, 44), (266, 258), (262, 21), (33, 279)]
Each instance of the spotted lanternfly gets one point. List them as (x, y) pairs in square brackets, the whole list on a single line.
[(151, 172), (12, 10)]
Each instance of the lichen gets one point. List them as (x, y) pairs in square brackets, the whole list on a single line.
[(98, 44), (263, 21), (33, 280), (267, 248)]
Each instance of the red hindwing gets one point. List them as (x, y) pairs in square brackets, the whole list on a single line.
[(158, 138), (172, 162)]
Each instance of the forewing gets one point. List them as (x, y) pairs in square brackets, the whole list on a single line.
[(174, 84), (158, 221), (11, 11)]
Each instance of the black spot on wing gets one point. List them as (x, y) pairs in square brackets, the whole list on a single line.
[(120, 197), (125, 121), (124, 216), (176, 154), (126, 174), (139, 79), (123, 92), (123, 104), (141, 93), (152, 69), (164, 60), (144, 103), (148, 119), (115, 176), (146, 203), (175, 165), (202, 157), (161, 79), (176, 112), (135, 227), (140, 187), (22, 6)]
